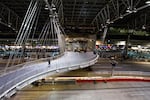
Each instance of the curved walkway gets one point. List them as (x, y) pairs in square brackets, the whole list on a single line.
[(11, 82)]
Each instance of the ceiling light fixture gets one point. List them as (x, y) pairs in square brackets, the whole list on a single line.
[(108, 21), (53, 7), (121, 17), (128, 11), (46, 7), (50, 15), (112, 22), (14, 29), (148, 2), (9, 25), (143, 27), (145, 19), (135, 10), (100, 29)]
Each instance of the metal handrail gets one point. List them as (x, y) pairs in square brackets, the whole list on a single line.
[(27, 63), (7, 87)]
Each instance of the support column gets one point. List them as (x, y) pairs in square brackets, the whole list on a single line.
[(104, 34)]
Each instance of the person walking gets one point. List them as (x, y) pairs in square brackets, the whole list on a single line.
[(113, 62), (49, 62)]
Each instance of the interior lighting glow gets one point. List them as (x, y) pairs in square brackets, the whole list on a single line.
[(98, 42), (121, 17), (121, 43), (135, 10), (9, 25), (128, 11), (46, 7), (147, 2), (134, 48), (111, 22), (43, 47), (143, 27)]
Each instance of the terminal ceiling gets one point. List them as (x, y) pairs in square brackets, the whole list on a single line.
[(89, 16)]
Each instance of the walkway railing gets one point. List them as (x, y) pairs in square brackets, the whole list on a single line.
[(11, 82), (13, 68)]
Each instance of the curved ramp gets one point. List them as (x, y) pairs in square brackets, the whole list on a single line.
[(11, 82)]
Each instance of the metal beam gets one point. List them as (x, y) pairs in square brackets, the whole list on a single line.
[(122, 8), (9, 18), (73, 10)]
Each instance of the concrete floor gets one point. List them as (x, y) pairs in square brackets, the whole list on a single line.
[(91, 91), (87, 91)]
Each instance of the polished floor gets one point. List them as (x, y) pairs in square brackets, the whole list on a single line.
[(87, 91), (69, 89)]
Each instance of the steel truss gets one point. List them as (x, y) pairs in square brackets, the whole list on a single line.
[(52, 30), (53, 27), (9, 18), (59, 6), (115, 10)]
